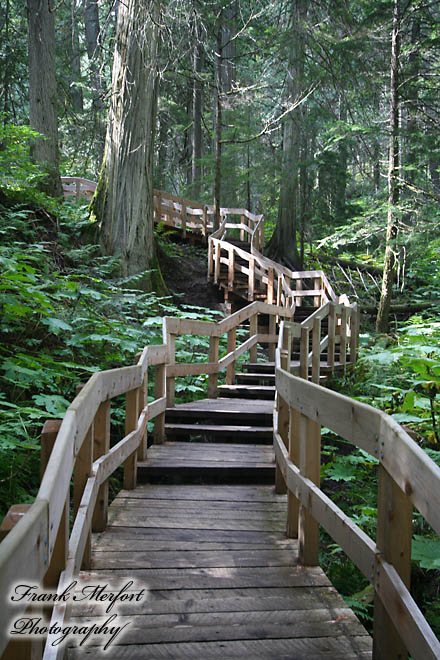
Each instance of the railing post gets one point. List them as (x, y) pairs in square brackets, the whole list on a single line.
[(304, 354), (317, 286), (213, 358), (261, 237), (316, 354), (253, 329), (232, 344), (170, 340), (280, 291), (131, 420), (269, 297), (142, 402), (343, 336), (294, 455), (272, 331), (183, 212), (283, 410), (217, 262), (101, 445), (205, 222), (251, 282), (331, 336), (310, 466), (78, 189), (231, 267), (82, 471), (159, 392), (354, 332), (298, 287), (393, 541), (61, 546), (243, 222), (210, 259)]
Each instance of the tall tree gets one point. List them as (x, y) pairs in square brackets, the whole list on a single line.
[(382, 319), (197, 101), (43, 92), (283, 245), (123, 201)]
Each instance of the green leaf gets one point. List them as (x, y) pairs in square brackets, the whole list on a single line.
[(55, 325), (426, 552)]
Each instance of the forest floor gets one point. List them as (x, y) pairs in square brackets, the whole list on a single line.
[(183, 267)]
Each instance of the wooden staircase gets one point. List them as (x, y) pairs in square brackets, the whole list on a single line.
[(224, 440)]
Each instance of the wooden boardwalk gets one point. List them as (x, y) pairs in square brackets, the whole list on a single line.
[(223, 580)]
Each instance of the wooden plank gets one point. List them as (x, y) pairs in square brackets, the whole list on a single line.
[(24, 554), (82, 472), (294, 455), (254, 494), (316, 336), (101, 446), (253, 331), (214, 578), (231, 346), (353, 648), (310, 466), (186, 601), (393, 540), (223, 626), (213, 358), (201, 559), (180, 326), (331, 335), (416, 634), (159, 393)]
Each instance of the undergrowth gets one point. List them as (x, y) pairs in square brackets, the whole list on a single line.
[(399, 374), (65, 316)]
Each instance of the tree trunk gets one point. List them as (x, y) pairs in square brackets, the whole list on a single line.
[(196, 168), (382, 322), (43, 93), (92, 32), (124, 197), (283, 244), (75, 62), (218, 126)]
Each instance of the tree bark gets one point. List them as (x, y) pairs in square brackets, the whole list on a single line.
[(43, 93), (283, 244), (197, 100), (123, 202), (218, 125), (75, 62), (92, 32), (382, 320)]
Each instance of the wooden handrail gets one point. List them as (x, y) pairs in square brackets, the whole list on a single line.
[(407, 478)]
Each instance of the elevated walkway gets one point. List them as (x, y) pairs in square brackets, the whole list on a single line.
[(231, 563), (223, 580)]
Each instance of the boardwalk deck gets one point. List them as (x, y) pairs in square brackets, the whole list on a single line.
[(223, 580)]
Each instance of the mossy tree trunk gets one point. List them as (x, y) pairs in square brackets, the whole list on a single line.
[(283, 245), (123, 202), (43, 93)]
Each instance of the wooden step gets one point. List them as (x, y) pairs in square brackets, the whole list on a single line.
[(251, 378), (227, 433), (259, 367), (195, 462), (248, 391), (224, 410)]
